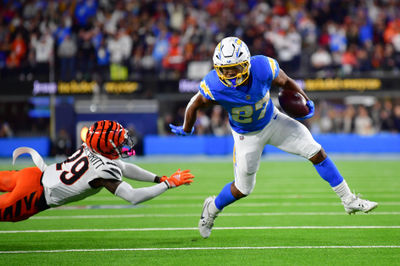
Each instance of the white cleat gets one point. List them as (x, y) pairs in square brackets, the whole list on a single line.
[(207, 219), (356, 204)]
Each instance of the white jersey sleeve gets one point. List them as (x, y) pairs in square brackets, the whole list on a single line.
[(132, 171), (68, 181), (104, 167)]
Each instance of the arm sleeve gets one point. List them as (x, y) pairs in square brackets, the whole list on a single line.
[(135, 172), (138, 195)]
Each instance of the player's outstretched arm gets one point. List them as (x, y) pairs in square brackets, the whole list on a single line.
[(138, 195), (135, 172), (197, 102)]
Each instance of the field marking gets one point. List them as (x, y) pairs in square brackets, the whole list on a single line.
[(115, 216), (191, 205), (280, 196), (191, 248), (195, 228)]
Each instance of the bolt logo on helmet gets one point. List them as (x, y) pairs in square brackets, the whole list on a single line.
[(232, 61), (110, 139)]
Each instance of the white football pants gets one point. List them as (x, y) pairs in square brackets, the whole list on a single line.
[(282, 132)]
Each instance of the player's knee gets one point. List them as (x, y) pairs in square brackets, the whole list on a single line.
[(318, 157), (244, 189), (236, 192)]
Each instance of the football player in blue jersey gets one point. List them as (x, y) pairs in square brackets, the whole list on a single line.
[(241, 84)]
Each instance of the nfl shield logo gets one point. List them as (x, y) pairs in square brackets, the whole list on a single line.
[(241, 137)]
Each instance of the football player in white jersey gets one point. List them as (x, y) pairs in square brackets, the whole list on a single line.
[(241, 84), (96, 164)]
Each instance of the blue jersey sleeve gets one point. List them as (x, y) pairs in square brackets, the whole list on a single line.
[(274, 67), (266, 68), (205, 89)]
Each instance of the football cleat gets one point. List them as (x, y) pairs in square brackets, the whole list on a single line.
[(355, 204), (207, 218)]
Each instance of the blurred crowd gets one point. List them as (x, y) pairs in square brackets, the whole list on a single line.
[(334, 116), (129, 39), (380, 117)]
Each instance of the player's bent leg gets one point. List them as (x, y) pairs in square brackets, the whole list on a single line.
[(26, 199), (329, 172), (8, 180), (247, 156), (292, 136)]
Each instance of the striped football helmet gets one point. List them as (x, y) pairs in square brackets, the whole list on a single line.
[(232, 61), (109, 139)]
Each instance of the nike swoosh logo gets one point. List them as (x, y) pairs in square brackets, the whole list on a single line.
[(275, 117), (202, 217)]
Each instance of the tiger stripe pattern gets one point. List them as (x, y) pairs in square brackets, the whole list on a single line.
[(104, 137)]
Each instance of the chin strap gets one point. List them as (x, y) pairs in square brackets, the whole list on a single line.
[(37, 159)]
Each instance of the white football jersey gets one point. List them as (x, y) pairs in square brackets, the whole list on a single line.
[(68, 181)]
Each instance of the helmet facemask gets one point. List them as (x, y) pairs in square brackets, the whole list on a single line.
[(125, 149), (242, 70)]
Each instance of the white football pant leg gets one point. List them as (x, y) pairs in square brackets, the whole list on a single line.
[(291, 136), (247, 155)]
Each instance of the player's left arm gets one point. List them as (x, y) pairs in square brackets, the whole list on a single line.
[(135, 172), (125, 191), (137, 195), (287, 83)]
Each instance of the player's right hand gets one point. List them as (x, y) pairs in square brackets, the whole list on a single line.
[(179, 178), (178, 130)]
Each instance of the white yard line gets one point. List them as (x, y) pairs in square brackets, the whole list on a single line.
[(195, 228), (198, 205), (319, 195), (193, 248), (118, 216)]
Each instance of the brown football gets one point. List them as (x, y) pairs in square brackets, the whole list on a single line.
[(293, 103)]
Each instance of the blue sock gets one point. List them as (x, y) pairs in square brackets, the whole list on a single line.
[(328, 171), (225, 197)]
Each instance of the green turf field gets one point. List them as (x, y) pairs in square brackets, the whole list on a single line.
[(291, 218)]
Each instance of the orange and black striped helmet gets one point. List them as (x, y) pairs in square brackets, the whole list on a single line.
[(109, 139)]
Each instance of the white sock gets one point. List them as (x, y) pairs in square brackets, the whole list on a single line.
[(343, 191), (212, 209)]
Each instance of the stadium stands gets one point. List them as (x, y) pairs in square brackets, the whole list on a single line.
[(152, 45)]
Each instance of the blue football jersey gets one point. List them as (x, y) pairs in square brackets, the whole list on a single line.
[(249, 106)]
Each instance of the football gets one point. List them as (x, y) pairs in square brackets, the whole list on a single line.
[(293, 103)]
